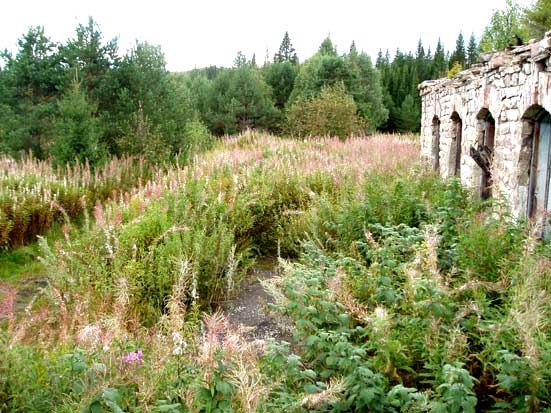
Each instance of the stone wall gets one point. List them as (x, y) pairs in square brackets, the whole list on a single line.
[(511, 85)]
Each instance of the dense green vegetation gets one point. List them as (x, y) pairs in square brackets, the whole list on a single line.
[(514, 25), (405, 293), (81, 103), (83, 99), (126, 224)]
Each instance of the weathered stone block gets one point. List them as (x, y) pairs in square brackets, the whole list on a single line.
[(512, 114)]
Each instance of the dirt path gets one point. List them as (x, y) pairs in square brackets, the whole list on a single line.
[(249, 309), (14, 300)]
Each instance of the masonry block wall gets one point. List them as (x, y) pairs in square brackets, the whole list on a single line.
[(490, 126)]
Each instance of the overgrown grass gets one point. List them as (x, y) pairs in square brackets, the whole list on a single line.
[(406, 293), (34, 195)]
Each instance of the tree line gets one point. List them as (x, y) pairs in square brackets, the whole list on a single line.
[(82, 99)]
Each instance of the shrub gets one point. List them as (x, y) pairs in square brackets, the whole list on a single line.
[(330, 113)]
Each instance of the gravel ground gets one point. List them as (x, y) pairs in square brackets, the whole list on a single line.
[(250, 311)]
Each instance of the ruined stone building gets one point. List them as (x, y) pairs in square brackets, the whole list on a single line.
[(490, 126)]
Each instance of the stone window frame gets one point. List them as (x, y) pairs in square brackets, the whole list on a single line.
[(528, 163), (456, 144), (435, 147), (486, 127)]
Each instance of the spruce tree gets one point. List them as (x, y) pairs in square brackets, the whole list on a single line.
[(77, 130), (472, 51), (326, 48), (286, 51), (439, 61), (459, 55)]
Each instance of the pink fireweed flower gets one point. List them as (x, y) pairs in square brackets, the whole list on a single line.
[(134, 357)]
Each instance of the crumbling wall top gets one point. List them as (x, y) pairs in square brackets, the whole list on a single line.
[(532, 52)]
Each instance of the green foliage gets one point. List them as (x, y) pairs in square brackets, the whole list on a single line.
[(281, 78), (409, 117), (326, 48), (488, 247), (77, 131), (89, 58), (455, 69), (36, 82), (365, 87), (240, 99), (38, 381), (286, 51), (143, 86), (331, 113), (400, 79), (440, 65), (32, 80), (459, 55), (315, 73), (503, 27), (408, 295), (456, 391), (537, 19), (196, 138), (354, 71), (472, 51)]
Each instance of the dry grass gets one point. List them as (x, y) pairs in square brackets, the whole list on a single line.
[(74, 313), (33, 195)]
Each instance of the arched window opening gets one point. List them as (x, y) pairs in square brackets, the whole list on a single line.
[(436, 143), (455, 152), (483, 153), (537, 137)]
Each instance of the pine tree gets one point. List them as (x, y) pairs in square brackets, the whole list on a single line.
[(472, 51), (439, 62), (32, 80), (93, 58), (239, 99), (363, 83), (286, 51), (459, 55), (240, 60), (281, 78), (326, 48)]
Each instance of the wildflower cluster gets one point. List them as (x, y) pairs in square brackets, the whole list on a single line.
[(133, 357)]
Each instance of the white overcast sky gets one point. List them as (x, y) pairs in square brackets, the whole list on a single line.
[(198, 33)]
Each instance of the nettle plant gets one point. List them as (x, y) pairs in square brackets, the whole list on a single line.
[(413, 309), (351, 357)]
